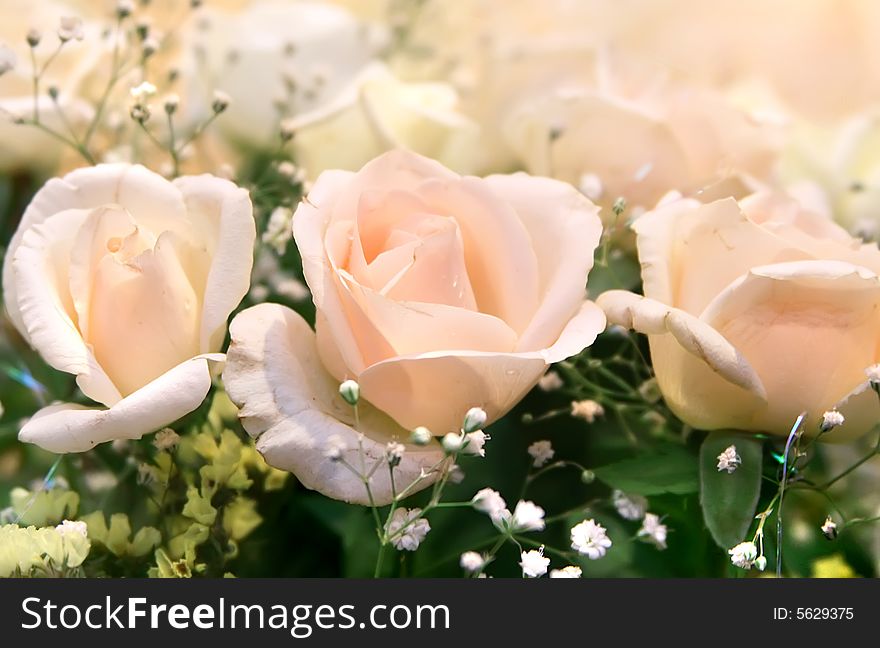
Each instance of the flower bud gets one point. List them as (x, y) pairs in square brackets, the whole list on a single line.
[(220, 102), (124, 8), (760, 563), (452, 443), (829, 528), (421, 436), (33, 37), (350, 392), (171, 103), (474, 419), (588, 477)]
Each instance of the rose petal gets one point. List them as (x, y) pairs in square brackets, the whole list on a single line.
[(74, 428), (222, 214), (292, 407), (43, 304), (420, 389), (802, 326), (704, 379), (147, 196), (565, 229)]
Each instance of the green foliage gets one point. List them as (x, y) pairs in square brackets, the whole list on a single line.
[(729, 500), (668, 469)]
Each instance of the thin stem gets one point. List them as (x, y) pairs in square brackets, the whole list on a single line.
[(861, 461)]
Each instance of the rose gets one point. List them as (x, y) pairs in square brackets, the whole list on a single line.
[(378, 112), (274, 57), (616, 128), (756, 311), (436, 292), (126, 280)]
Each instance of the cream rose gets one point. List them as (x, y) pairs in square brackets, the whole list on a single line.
[(275, 59), (436, 292), (126, 280), (755, 312)]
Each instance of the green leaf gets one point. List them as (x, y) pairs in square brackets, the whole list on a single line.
[(671, 469), (729, 500)]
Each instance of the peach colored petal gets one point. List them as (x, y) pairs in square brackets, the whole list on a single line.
[(292, 407), (436, 389), (564, 229), (705, 380), (147, 196), (74, 428), (501, 263), (144, 314), (802, 326), (38, 268), (222, 217)]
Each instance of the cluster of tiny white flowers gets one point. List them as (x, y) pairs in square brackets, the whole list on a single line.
[(572, 571), (278, 231), (412, 536), (166, 439), (744, 555), (490, 502), (653, 530), (830, 420), (533, 563), (550, 381), (587, 410), (590, 539), (829, 528), (472, 562), (541, 452), (527, 516), (394, 452), (729, 460), (629, 507)]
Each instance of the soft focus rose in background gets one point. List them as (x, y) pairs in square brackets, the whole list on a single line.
[(755, 312), (126, 280), (377, 113), (436, 292), (275, 59)]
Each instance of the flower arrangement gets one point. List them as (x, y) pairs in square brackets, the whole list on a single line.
[(415, 288)]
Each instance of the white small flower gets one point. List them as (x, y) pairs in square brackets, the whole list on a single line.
[(533, 563), (550, 381), (71, 527), (421, 436), (591, 186), (653, 531), (527, 516), (829, 528), (220, 101), (630, 507), (452, 442), (278, 230), (472, 562), (490, 502), (743, 555), (456, 474), (541, 452), (729, 460), (166, 439), (873, 374), (335, 448), (70, 27), (830, 420), (124, 8), (407, 529), (350, 392), (474, 442), (590, 539), (287, 129), (142, 91), (474, 419), (587, 410), (7, 59), (572, 571), (394, 452), (290, 171)]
